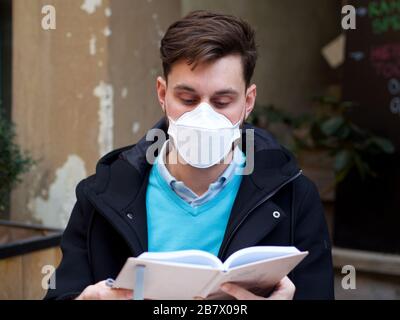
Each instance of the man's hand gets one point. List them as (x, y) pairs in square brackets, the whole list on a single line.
[(100, 291), (284, 290)]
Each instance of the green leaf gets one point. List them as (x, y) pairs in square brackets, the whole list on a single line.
[(384, 144), (13, 161), (344, 132), (330, 126), (342, 160), (329, 100), (362, 167), (341, 175), (347, 104)]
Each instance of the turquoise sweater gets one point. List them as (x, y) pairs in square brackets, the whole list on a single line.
[(173, 224)]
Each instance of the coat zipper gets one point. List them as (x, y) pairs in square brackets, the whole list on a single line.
[(271, 194)]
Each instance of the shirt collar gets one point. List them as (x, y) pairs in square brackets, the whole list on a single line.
[(228, 173)]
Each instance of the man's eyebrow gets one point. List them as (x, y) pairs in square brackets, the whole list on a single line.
[(184, 87), (217, 93), (226, 92)]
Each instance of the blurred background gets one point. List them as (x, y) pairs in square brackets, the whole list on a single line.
[(78, 86)]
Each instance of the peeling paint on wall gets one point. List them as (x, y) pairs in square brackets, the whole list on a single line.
[(107, 31), (107, 12), (124, 92), (160, 32), (92, 45), (135, 127), (90, 6), (153, 71), (55, 207), (105, 93)]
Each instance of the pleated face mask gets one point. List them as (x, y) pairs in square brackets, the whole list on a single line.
[(203, 137)]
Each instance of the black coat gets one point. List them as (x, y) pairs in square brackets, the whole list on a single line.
[(108, 222)]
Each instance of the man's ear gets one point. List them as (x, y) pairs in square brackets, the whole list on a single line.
[(251, 94), (161, 91)]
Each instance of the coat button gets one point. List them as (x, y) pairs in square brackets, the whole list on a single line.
[(130, 215), (276, 214)]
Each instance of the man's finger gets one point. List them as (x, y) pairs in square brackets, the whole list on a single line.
[(116, 294), (238, 292), (284, 290)]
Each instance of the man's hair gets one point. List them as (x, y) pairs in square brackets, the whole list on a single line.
[(204, 36)]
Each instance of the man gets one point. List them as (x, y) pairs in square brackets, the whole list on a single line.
[(196, 194)]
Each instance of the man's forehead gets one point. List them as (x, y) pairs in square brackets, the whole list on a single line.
[(227, 90), (224, 75)]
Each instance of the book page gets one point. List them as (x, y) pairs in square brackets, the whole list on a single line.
[(193, 257), (257, 277), (254, 254)]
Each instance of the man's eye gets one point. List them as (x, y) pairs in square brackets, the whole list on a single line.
[(221, 104), (188, 101)]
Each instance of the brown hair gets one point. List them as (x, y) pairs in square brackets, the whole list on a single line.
[(204, 36)]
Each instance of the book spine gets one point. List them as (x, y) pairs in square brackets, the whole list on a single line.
[(210, 286)]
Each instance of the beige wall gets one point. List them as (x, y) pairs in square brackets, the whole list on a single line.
[(81, 90)]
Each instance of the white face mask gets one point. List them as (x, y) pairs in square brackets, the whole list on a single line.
[(203, 137)]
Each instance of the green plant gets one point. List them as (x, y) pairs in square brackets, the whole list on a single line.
[(13, 162), (330, 128)]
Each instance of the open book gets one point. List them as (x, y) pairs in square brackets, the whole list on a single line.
[(194, 273)]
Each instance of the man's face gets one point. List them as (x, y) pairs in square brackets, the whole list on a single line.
[(220, 83)]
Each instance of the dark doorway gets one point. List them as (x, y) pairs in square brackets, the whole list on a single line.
[(5, 68)]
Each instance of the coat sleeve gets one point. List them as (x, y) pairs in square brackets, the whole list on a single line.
[(73, 274), (313, 277)]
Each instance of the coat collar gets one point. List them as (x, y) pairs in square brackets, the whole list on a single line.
[(118, 190)]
